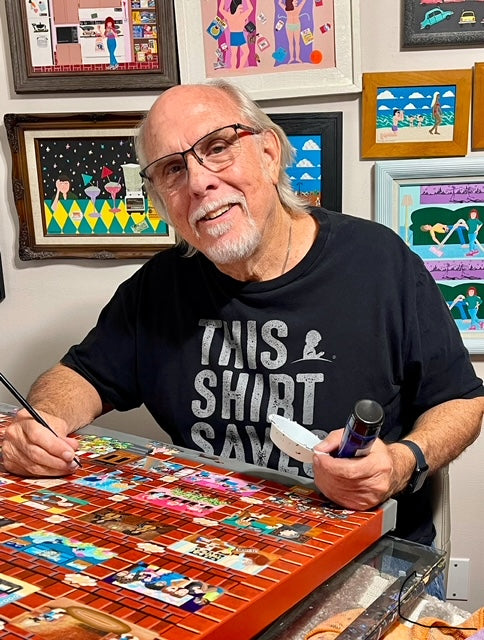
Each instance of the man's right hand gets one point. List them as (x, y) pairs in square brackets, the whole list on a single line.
[(29, 449)]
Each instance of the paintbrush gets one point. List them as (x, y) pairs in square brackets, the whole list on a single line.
[(26, 405)]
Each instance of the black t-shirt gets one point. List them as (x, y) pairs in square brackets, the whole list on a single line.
[(211, 357)]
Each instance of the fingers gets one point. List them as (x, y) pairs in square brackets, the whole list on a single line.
[(330, 444), (29, 449), (354, 483)]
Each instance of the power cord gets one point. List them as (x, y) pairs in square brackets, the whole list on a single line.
[(426, 626)]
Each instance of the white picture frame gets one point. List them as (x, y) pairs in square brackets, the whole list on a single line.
[(447, 190), (345, 77)]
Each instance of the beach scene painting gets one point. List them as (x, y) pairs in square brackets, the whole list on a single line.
[(415, 113)]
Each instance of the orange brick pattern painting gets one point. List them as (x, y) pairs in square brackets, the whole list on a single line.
[(162, 547)]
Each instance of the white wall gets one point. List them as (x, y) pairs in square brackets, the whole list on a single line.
[(50, 304)]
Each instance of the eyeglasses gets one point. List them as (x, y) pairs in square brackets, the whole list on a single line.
[(215, 151)]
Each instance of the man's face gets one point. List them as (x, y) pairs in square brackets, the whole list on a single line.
[(226, 215)]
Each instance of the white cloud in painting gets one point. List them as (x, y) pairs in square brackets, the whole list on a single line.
[(383, 107), (311, 145), (409, 107), (416, 94), (304, 163), (385, 95), (307, 176), (449, 94)]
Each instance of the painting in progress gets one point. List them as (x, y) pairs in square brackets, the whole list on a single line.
[(144, 543)]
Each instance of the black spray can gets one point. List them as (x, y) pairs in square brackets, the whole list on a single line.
[(362, 429)]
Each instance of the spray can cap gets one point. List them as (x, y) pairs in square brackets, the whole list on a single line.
[(369, 411)]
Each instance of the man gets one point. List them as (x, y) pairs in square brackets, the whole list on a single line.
[(211, 335)]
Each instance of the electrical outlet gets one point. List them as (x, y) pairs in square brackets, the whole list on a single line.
[(458, 579)]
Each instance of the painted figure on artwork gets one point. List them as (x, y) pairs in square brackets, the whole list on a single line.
[(473, 302), (63, 187), (436, 113), (237, 17), (111, 35), (293, 9), (473, 224)]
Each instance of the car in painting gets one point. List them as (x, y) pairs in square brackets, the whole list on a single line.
[(467, 17), (434, 16)]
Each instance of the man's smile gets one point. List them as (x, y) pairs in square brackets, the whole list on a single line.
[(213, 215)]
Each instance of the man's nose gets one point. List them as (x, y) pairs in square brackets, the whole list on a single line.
[(199, 177)]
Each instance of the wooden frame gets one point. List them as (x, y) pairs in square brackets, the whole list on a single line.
[(447, 31), (321, 134), (281, 79), (426, 203), (58, 157), (398, 114), (478, 108), (51, 57)]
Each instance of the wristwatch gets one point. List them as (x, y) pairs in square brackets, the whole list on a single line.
[(421, 470)]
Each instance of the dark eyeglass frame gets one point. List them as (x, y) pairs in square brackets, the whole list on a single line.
[(237, 126)]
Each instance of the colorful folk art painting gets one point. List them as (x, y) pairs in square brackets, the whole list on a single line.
[(91, 186), (245, 37)]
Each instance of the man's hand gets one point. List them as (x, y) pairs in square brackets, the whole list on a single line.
[(354, 483), (29, 449)]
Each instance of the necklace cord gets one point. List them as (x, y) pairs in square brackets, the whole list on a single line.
[(288, 251)]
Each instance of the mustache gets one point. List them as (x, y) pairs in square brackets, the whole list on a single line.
[(215, 205)]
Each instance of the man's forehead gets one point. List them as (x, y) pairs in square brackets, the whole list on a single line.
[(191, 114), (193, 99)]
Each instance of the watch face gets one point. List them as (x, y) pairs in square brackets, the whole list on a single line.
[(418, 479)]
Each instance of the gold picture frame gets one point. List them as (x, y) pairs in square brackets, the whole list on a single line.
[(400, 114), (478, 108)]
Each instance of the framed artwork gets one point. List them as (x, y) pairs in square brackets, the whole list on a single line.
[(317, 167), (431, 23), (271, 48), (437, 207), (92, 45), (77, 188), (478, 108), (416, 114)]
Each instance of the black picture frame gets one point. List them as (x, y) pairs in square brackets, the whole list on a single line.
[(138, 76), (448, 32), (329, 128), (2, 285)]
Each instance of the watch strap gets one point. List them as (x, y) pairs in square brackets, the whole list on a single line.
[(421, 470)]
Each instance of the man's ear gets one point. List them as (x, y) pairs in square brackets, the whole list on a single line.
[(271, 147)]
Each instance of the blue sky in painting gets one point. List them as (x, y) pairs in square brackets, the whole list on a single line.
[(305, 172), (414, 101)]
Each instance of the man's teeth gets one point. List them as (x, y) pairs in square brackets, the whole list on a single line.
[(215, 214)]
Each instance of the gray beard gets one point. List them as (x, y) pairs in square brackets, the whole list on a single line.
[(227, 251)]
